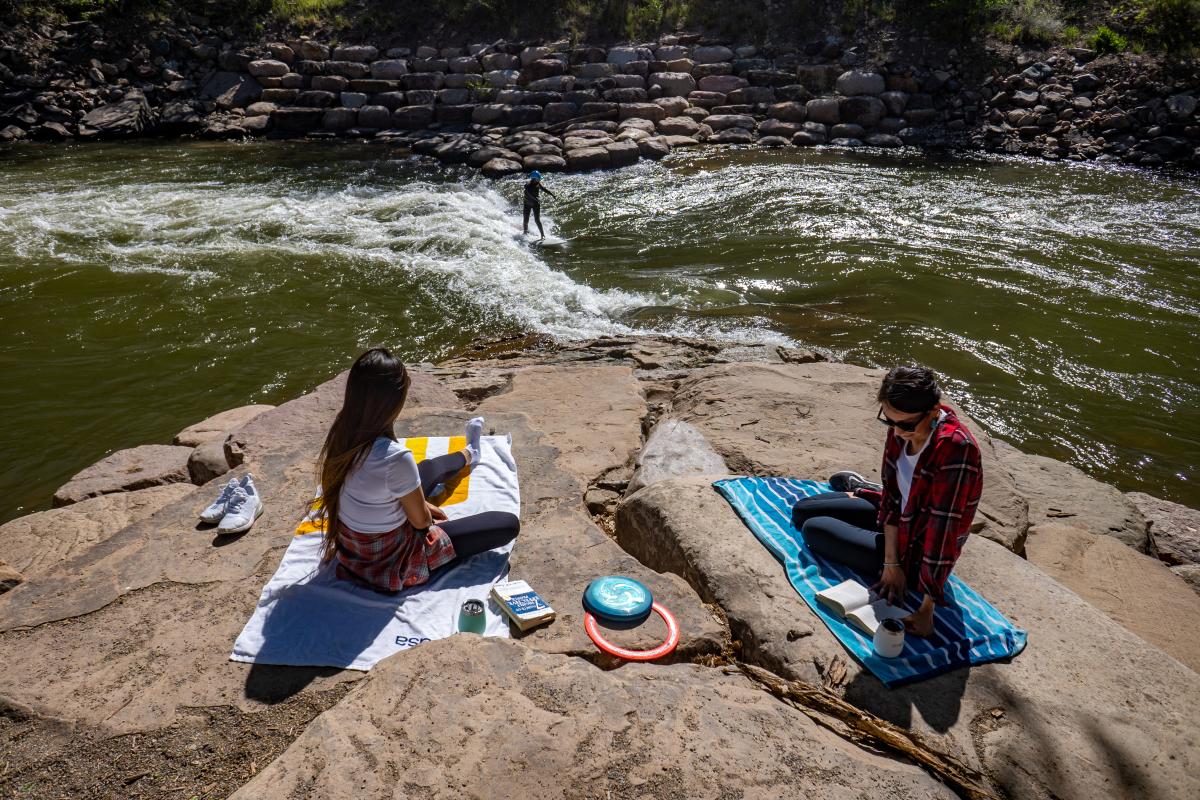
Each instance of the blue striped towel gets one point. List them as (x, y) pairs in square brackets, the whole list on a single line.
[(966, 631)]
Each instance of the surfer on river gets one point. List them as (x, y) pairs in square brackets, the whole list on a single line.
[(533, 188)]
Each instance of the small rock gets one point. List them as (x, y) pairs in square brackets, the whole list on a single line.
[(9, 578), (207, 461)]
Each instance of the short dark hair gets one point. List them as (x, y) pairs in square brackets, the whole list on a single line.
[(910, 389)]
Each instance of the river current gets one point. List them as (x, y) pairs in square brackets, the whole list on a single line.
[(144, 287)]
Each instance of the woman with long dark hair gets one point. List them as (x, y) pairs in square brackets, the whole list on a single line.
[(911, 530), (378, 523)]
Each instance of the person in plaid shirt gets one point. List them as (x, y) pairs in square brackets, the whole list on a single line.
[(911, 530), (379, 526)]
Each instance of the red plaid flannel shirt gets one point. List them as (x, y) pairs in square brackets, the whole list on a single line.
[(394, 560), (946, 484)]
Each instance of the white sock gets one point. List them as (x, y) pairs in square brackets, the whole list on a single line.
[(474, 434)]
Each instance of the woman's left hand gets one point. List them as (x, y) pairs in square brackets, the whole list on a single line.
[(435, 512)]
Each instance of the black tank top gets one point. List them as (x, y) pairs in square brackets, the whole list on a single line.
[(532, 190)]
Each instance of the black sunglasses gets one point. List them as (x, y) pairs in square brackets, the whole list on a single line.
[(907, 427)]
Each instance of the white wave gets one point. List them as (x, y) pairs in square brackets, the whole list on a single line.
[(462, 237)]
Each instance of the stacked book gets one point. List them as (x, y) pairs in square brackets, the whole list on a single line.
[(522, 604)]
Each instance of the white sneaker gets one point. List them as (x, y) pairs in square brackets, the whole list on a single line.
[(244, 507), (212, 515)]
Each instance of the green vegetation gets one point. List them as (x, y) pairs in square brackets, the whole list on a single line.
[(1106, 40), (307, 12), (1171, 26)]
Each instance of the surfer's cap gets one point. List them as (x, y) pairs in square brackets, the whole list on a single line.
[(535, 175)]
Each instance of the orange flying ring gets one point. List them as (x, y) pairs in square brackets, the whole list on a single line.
[(672, 641)]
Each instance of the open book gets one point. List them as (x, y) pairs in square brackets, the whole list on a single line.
[(859, 605)]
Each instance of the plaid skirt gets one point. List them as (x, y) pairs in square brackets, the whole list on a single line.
[(393, 560)]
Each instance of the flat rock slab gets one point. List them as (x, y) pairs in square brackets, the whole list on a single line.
[(592, 414), (1138, 591), (469, 717), (1061, 493), (37, 542), (1088, 710), (1174, 528), (218, 426), (560, 549), (126, 471), (812, 420)]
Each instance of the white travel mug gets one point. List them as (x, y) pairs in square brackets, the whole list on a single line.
[(889, 638)]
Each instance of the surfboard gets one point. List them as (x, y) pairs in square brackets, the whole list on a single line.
[(550, 241)]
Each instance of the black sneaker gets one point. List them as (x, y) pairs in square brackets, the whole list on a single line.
[(847, 481)]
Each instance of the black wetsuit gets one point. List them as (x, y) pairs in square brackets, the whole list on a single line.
[(533, 203)]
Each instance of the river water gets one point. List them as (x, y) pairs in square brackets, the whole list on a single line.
[(144, 287)]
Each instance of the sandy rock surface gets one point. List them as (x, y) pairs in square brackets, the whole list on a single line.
[(1138, 591), (1064, 494), (38, 542), (488, 718), (125, 471)]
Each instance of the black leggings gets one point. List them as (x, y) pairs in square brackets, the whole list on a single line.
[(478, 532), (537, 217), (842, 529)]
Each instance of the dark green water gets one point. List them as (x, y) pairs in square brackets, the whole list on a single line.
[(144, 287)]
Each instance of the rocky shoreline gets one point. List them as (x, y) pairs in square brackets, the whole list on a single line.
[(506, 107), (120, 611)]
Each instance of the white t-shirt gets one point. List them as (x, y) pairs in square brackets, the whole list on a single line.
[(906, 464), (370, 501)]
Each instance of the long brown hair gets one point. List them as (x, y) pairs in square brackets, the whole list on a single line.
[(375, 393)]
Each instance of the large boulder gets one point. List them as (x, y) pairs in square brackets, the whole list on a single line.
[(674, 84), (581, 159), (218, 426), (35, 543), (126, 471), (1174, 528), (674, 449), (753, 414), (649, 111), (390, 69), (825, 110), (723, 84), (1139, 592), (679, 126), (124, 119), (1033, 724), (501, 167), (863, 110), (855, 82), (719, 122), (1059, 492), (551, 723), (268, 68), (230, 90), (208, 461), (711, 54)]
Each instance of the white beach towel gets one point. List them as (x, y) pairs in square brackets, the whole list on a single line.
[(306, 616)]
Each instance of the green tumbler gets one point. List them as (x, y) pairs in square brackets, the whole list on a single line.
[(471, 618)]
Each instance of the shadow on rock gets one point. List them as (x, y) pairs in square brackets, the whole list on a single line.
[(269, 683)]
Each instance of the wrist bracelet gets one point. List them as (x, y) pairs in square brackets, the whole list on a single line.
[(897, 564)]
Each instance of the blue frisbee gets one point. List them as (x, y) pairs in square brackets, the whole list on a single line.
[(617, 601)]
